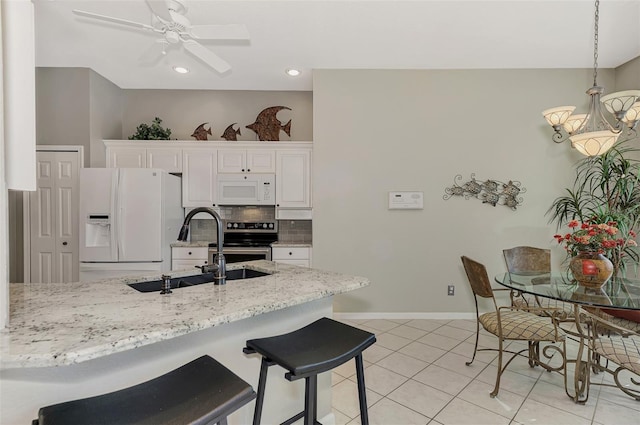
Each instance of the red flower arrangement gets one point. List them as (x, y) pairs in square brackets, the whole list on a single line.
[(594, 237)]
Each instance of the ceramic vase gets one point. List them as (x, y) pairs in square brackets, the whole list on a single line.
[(591, 269)]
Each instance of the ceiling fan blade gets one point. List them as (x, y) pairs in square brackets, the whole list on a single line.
[(154, 53), (207, 56), (159, 9), (113, 20), (220, 32)]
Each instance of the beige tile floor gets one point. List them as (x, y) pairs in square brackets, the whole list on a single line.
[(416, 374)]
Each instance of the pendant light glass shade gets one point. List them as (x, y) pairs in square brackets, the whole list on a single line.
[(573, 123), (619, 102), (593, 133), (633, 114), (558, 115), (594, 142)]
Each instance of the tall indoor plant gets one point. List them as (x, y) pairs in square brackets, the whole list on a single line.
[(606, 190)]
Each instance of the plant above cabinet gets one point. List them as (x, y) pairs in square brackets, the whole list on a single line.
[(151, 132)]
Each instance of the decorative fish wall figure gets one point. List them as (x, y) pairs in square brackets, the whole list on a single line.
[(267, 126), (230, 133), (200, 133)]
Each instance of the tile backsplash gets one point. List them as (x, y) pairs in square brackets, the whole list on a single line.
[(294, 231), (289, 231)]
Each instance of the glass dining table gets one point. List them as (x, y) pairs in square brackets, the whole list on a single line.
[(619, 293)]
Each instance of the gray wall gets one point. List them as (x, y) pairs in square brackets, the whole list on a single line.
[(380, 131), (105, 104), (184, 110), (375, 132), (63, 107), (628, 75)]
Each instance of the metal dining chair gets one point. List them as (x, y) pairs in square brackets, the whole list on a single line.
[(510, 323), (528, 260), (620, 347)]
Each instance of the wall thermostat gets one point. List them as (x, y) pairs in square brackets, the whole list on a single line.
[(406, 200)]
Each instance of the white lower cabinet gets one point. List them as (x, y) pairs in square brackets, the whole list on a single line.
[(188, 257), (295, 255)]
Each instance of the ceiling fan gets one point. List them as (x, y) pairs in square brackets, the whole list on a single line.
[(168, 18)]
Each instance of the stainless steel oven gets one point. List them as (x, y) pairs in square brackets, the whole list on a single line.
[(246, 240)]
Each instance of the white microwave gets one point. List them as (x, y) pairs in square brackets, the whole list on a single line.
[(246, 189)]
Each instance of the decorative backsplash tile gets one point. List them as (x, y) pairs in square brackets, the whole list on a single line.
[(294, 231), (291, 231)]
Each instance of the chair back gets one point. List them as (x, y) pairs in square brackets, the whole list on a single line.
[(527, 260), (478, 278)]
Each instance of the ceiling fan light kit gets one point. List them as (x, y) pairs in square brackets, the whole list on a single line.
[(168, 19), (592, 133)]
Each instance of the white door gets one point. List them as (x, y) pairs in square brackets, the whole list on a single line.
[(53, 221)]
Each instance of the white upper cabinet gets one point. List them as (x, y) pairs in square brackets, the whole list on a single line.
[(198, 177), (201, 161), (240, 160), (167, 158), (126, 157), (293, 178)]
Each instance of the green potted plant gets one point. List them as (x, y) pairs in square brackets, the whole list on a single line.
[(606, 190), (151, 132)]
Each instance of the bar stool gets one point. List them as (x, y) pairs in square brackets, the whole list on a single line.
[(306, 352), (200, 392)]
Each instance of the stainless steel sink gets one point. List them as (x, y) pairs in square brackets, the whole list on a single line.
[(197, 279)]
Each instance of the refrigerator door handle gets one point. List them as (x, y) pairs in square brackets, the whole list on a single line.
[(116, 202)]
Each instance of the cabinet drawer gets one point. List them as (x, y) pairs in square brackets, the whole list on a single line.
[(189, 253), (302, 263), (289, 253), (187, 264)]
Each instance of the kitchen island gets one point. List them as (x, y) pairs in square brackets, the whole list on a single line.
[(73, 340)]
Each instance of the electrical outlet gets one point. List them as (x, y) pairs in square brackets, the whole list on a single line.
[(450, 290)]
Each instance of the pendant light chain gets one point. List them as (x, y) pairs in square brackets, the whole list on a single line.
[(595, 44)]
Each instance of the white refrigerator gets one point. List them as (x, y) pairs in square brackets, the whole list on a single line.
[(128, 219)]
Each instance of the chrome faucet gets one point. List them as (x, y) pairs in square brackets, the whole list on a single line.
[(219, 266)]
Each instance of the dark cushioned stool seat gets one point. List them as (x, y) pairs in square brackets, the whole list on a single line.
[(306, 352), (200, 392)]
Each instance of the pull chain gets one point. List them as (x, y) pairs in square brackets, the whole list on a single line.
[(595, 44)]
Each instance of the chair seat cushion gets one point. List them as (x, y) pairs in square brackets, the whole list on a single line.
[(624, 352), (528, 300), (522, 325), (317, 347)]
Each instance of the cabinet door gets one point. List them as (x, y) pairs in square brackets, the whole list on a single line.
[(198, 177), (261, 161), (168, 159), (232, 161), (129, 157), (293, 178)]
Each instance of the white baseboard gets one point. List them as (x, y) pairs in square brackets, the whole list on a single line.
[(407, 315)]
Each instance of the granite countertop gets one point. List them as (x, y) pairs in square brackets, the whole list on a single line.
[(55, 324), (291, 244), (206, 244), (196, 244)]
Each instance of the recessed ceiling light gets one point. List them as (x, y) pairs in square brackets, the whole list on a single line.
[(180, 69), (291, 72)]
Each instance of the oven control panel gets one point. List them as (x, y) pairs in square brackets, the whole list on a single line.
[(266, 225)]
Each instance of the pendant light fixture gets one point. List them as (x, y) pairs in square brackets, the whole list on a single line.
[(592, 133)]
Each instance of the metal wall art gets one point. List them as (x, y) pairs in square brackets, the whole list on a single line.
[(492, 192), (267, 126)]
